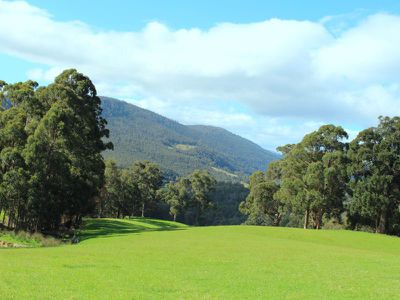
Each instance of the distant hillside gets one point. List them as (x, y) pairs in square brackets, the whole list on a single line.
[(140, 134)]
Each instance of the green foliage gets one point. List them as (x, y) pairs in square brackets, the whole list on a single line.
[(311, 179), (177, 195), (148, 178), (226, 197), (195, 199), (322, 177), (112, 200), (125, 191), (375, 176), (260, 206), (202, 184), (190, 196), (313, 174), (223, 197), (52, 171), (51, 139)]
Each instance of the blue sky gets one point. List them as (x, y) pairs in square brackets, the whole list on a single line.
[(135, 14), (270, 71)]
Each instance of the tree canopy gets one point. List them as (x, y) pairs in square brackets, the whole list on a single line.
[(51, 139), (325, 178)]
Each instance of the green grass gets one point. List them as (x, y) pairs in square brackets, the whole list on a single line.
[(185, 147), (11, 237), (152, 259), (25, 239), (224, 172)]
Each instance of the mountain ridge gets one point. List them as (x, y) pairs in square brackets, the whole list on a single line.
[(139, 134)]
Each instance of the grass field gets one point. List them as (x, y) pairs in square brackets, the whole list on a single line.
[(12, 238), (152, 259)]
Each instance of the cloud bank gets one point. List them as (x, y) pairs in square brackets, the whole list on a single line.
[(270, 81)]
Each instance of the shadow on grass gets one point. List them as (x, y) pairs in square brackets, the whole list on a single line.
[(95, 228)]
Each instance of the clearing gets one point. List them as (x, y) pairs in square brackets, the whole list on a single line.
[(154, 259)]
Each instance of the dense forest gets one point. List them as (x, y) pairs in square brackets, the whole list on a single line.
[(196, 199), (324, 180)]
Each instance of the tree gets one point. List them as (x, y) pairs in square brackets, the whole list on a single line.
[(13, 170), (177, 195), (112, 202), (57, 132), (148, 179), (313, 177), (375, 174), (226, 198), (261, 205), (14, 188), (202, 183), (129, 192)]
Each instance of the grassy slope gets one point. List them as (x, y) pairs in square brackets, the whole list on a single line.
[(150, 259)]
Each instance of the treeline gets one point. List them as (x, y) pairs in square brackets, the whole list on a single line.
[(52, 171), (139, 191), (51, 139), (324, 180)]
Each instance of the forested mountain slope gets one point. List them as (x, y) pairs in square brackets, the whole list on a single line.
[(140, 134)]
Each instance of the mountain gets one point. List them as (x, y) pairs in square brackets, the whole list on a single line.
[(139, 134)]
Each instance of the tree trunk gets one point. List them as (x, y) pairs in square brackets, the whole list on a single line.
[(197, 214), (78, 220), (101, 208), (133, 210), (318, 225), (10, 219), (381, 228), (277, 220), (319, 219), (174, 217), (143, 210), (306, 218)]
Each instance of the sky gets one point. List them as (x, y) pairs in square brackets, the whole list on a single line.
[(270, 71)]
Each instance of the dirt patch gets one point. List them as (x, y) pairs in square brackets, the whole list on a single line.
[(4, 244)]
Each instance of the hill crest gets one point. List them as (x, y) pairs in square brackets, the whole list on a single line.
[(179, 149)]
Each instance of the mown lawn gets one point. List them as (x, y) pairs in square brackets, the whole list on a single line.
[(152, 259)]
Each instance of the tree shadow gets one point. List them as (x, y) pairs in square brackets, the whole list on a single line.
[(95, 228)]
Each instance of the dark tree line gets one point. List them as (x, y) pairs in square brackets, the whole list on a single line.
[(51, 166), (324, 178), (139, 191), (190, 196), (129, 192)]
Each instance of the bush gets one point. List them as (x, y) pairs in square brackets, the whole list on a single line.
[(333, 224), (45, 241)]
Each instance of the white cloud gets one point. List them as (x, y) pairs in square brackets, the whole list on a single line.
[(365, 54), (44, 75), (291, 75)]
